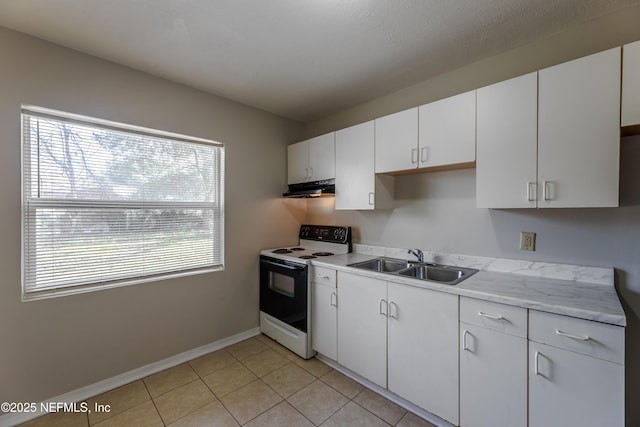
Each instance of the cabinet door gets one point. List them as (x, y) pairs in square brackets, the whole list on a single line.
[(507, 144), (423, 348), (493, 378), (579, 132), (362, 326), (355, 182), (298, 162), (322, 162), (571, 389), (324, 320), (397, 141), (447, 131), (631, 84)]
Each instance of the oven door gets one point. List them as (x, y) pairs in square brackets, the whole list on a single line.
[(283, 291)]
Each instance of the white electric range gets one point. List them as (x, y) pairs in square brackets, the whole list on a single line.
[(285, 298)]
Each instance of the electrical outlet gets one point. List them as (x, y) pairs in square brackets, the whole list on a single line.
[(527, 241)]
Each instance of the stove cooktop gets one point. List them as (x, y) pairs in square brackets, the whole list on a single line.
[(315, 241)]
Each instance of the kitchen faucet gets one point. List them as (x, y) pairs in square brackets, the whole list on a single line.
[(417, 253)]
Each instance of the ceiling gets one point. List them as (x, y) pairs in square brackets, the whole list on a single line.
[(301, 59)]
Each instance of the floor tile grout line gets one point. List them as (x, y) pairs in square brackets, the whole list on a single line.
[(185, 415), (215, 370), (268, 409), (152, 400), (219, 398), (377, 416), (116, 388)]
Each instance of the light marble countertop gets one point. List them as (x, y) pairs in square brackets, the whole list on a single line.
[(582, 292)]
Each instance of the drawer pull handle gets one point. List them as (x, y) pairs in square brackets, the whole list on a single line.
[(575, 337), (322, 276), (490, 316)]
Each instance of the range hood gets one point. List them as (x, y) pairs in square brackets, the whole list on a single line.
[(324, 188)]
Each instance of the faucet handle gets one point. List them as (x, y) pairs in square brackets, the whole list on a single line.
[(417, 253)]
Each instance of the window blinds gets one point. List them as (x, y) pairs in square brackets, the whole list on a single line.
[(105, 204)]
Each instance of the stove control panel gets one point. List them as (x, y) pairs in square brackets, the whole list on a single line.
[(326, 233)]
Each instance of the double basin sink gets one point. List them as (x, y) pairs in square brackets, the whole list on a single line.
[(439, 273)]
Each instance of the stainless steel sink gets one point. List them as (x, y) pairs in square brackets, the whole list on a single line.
[(384, 265), (440, 273), (445, 274)]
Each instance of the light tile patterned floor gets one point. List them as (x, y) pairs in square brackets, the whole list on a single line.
[(255, 383)]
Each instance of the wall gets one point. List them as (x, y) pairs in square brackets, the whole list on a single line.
[(50, 347), (436, 211)]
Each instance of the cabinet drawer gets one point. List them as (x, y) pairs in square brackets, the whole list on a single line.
[(326, 276), (498, 317), (581, 336)]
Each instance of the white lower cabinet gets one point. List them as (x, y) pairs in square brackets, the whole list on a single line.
[(577, 380), (423, 348), (362, 326), (571, 389), (472, 362), (493, 368), (324, 312), (412, 331)]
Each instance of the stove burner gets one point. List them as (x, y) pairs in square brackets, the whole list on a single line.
[(296, 249), (282, 251), (322, 253), (307, 257)]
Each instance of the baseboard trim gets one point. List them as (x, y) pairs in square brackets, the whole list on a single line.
[(418, 411), (83, 393)]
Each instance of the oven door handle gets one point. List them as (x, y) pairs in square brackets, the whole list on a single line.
[(287, 266)]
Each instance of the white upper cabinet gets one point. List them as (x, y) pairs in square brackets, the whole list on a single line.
[(579, 132), (442, 133), (631, 84), (311, 160), (565, 156), (357, 186), (298, 162), (447, 131), (397, 141), (507, 144)]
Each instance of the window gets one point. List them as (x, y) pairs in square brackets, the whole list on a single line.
[(106, 204)]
